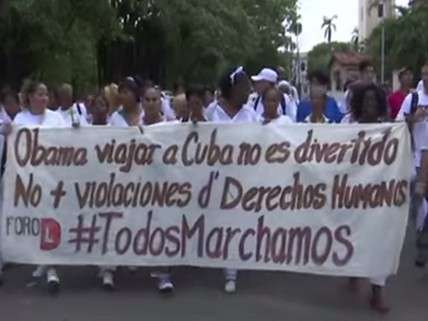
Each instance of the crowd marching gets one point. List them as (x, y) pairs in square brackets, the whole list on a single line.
[(266, 97)]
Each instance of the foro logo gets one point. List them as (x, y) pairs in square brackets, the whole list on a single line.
[(50, 237)]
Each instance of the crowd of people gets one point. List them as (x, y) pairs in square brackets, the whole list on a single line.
[(265, 98)]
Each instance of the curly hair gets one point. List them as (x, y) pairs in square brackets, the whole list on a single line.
[(229, 79), (357, 101)]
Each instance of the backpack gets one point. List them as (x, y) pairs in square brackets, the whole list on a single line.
[(414, 103), (79, 109)]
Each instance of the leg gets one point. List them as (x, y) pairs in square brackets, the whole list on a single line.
[(52, 280), (106, 273), (1, 272), (231, 275), (422, 245), (377, 301), (354, 284), (163, 276)]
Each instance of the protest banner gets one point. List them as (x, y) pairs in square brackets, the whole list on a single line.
[(329, 200)]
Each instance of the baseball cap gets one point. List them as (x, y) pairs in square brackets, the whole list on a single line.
[(266, 74)]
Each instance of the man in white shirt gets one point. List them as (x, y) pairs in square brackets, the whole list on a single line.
[(265, 79), (415, 111), (74, 114)]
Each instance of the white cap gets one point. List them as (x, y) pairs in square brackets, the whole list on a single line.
[(266, 74), (283, 83)]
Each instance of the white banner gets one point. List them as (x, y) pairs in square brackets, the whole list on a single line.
[(317, 199)]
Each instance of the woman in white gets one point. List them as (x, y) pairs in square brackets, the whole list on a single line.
[(36, 113), (271, 98), (129, 114), (369, 106), (134, 113), (195, 95), (235, 89)]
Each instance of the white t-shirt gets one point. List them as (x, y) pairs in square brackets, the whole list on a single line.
[(4, 117), (326, 120), (419, 129), (244, 115), (48, 119), (73, 113), (347, 119), (344, 103), (167, 110), (290, 106), (208, 113), (281, 120), (420, 86), (117, 120)]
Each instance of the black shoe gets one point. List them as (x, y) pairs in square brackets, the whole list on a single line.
[(420, 263)]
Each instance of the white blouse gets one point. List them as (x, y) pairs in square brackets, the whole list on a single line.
[(49, 119)]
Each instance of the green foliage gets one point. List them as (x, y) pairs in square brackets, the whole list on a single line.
[(319, 57), (53, 40), (89, 42), (406, 41)]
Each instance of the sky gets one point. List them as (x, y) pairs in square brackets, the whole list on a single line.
[(312, 12)]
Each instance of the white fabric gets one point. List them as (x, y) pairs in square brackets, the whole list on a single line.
[(341, 240), (73, 114), (294, 95), (266, 74), (167, 110), (209, 111), (308, 119), (344, 103), (347, 119), (379, 281), (244, 115), (4, 117), (420, 86), (48, 119), (117, 120), (281, 120)]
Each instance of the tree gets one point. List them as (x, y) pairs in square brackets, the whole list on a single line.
[(52, 40), (93, 42), (319, 57), (406, 41), (329, 26), (355, 38)]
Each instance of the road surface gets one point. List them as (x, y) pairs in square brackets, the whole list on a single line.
[(199, 297)]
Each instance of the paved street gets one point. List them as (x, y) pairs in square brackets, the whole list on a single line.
[(199, 297)]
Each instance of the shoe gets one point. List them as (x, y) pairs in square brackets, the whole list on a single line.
[(420, 261), (108, 281), (39, 271), (53, 281), (165, 285), (133, 269), (379, 306), (230, 286)]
